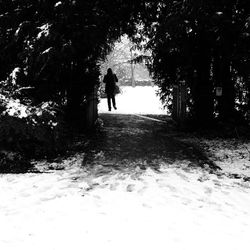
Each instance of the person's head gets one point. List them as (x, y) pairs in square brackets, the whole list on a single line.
[(109, 71)]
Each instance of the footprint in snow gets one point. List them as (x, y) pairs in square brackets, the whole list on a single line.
[(183, 176), (114, 186), (130, 188), (208, 190)]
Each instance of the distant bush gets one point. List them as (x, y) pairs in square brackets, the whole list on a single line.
[(127, 82)]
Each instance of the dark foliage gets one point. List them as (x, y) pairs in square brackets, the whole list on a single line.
[(204, 44), (49, 53), (50, 49), (12, 162), (32, 131), (57, 43)]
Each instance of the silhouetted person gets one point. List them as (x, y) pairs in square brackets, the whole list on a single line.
[(110, 80)]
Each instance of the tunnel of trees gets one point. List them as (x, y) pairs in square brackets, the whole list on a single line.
[(51, 50), (57, 45)]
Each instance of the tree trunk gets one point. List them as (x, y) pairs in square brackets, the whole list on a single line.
[(203, 88), (74, 97), (226, 103), (132, 70), (74, 93), (223, 78)]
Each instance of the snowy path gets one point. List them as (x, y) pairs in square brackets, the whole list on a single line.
[(137, 100), (134, 189)]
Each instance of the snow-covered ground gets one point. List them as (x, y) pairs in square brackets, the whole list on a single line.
[(137, 100), (176, 208), (233, 156), (100, 205)]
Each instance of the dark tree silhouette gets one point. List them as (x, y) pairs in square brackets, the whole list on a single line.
[(203, 43), (58, 44)]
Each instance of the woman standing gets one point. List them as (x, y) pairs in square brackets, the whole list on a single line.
[(110, 79)]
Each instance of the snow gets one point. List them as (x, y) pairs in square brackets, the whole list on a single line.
[(46, 51), (58, 4), (231, 156), (76, 209), (14, 75), (97, 206), (44, 30), (137, 100), (15, 108)]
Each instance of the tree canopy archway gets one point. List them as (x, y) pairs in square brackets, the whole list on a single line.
[(57, 45)]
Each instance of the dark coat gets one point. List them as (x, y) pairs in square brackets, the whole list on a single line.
[(110, 81)]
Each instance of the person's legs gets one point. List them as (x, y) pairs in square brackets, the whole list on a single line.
[(113, 101), (109, 101)]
